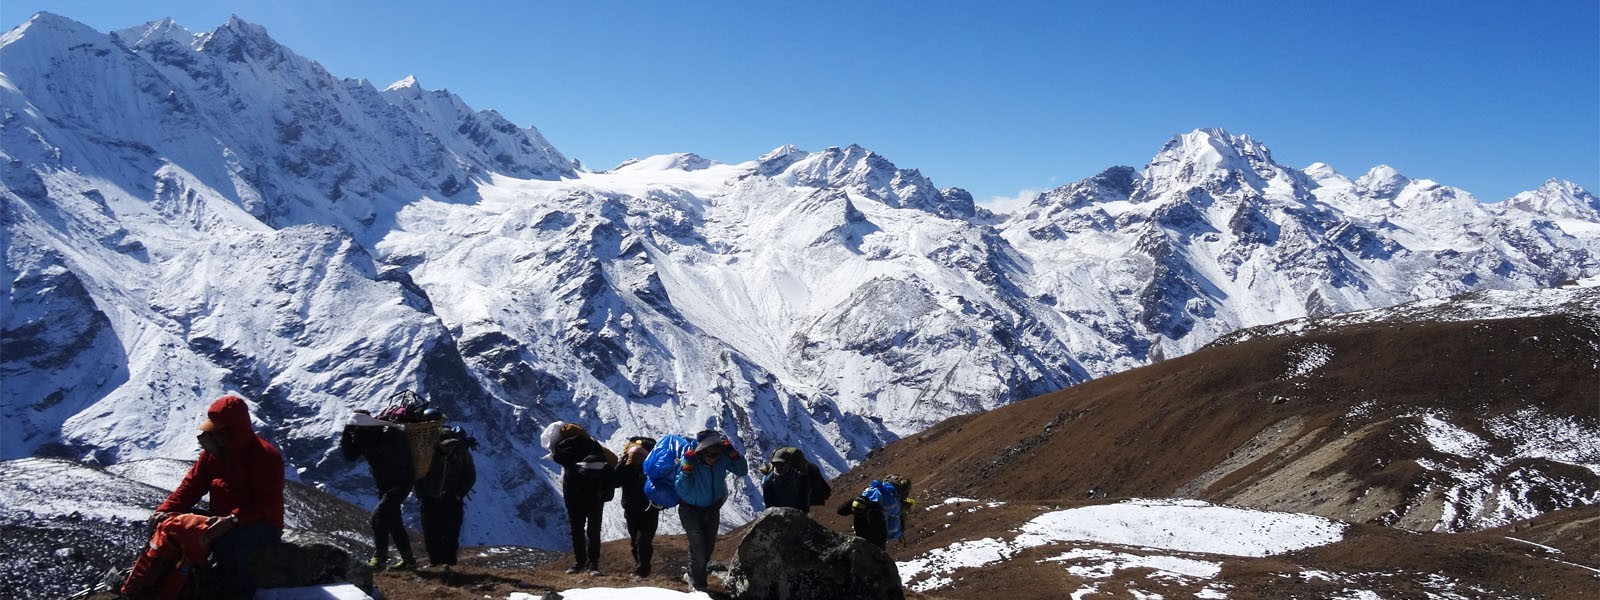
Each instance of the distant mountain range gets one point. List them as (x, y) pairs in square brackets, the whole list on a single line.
[(190, 213)]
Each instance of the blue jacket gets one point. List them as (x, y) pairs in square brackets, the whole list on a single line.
[(705, 485)]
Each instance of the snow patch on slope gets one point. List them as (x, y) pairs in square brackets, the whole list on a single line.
[(1188, 526)]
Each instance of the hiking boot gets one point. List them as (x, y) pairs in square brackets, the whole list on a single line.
[(375, 563), (574, 569), (692, 586), (402, 564)]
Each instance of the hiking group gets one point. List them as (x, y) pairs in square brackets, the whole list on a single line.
[(409, 451), (691, 475)]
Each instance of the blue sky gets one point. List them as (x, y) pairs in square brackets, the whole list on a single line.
[(994, 97)]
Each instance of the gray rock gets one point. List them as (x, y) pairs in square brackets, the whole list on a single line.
[(302, 559), (787, 555)]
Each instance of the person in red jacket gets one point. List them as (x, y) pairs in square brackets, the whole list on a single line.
[(244, 475)]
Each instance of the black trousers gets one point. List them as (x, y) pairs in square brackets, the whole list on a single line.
[(233, 552), (642, 538), (387, 524), (583, 520), (441, 529), (700, 525)]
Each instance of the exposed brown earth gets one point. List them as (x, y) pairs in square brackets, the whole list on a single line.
[(1222, 425)]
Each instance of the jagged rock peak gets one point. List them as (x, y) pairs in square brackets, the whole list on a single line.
[(1558, 198), (786, 150), (779, 159), (409, 83), (155, 32), (245, 29), (239, 40), (1562, 187), (1210, 157), (872, 175), (1115, 183), (1211, 149)]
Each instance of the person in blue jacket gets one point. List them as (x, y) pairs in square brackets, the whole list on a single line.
[(702, 486)]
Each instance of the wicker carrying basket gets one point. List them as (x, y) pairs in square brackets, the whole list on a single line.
[(421, 436)]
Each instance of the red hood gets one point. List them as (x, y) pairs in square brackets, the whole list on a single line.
[(230, 412)]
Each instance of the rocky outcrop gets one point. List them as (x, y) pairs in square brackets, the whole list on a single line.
[(787, 555), (302, 559)]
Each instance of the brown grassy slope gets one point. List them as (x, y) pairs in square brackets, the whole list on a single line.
[(1150, 431), (1230, 424)]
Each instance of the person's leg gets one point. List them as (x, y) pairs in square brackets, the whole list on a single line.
[(233, 552), (380, 533), (700, 528), (389, 521), (634, 519), (432, 522), (649, 520), (454, 514), (576, 516), (713, 517), (596, 509)]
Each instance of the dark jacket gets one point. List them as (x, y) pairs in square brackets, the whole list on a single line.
[(868, 519), (246, 480), (578, 484), (387, 452), (452, 473), (630, 478), (792, 489)]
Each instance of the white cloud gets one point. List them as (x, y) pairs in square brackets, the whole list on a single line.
[(1005, 205)]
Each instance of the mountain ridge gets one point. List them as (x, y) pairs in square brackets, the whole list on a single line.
[(225, 214)]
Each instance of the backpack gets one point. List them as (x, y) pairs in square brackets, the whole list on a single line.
[(602, 478), (405, 407), (901, 485), (820, 490), (661, 466), (892, 494), (637, 441)]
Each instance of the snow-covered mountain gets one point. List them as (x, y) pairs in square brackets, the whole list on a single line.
[(188, 213)]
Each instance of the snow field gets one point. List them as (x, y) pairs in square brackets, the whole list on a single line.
[(1188, 526)]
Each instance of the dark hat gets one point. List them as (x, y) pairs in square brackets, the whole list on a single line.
[(779, 460), (708, 439)]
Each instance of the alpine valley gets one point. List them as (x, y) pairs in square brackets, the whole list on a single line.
[(187, 213)]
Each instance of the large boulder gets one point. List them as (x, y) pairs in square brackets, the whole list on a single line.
[(307, 559), (787, 555)]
